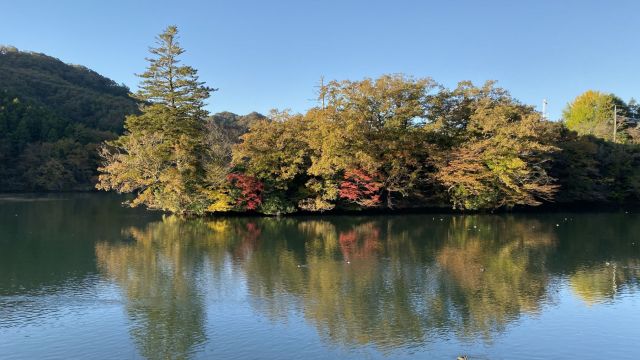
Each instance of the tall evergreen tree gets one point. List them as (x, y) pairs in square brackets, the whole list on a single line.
[(160, 155)]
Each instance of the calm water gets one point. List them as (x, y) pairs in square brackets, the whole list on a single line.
[(82, 277)]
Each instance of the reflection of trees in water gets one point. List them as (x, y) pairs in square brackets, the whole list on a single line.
[(603, 258), (376, 298), (339, 285), (158, 274), (602, 283), (497, 265), (383, 281), (47, 240), (390, 282)]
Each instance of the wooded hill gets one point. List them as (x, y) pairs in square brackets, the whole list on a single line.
[(54, 116)]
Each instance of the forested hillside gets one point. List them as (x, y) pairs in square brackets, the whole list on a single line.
[(53, 116), (391, 142)]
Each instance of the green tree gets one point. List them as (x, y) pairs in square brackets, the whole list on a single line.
[(591, 113), (591, 169), (160, 157)]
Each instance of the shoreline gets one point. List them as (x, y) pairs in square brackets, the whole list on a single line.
[(576, 207)]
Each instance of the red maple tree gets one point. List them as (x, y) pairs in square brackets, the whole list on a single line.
[(249, 190), (360, 188)]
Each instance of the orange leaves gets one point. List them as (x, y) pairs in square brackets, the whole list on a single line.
[(360, 188)]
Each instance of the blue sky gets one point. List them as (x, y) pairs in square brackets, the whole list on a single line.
[(270, 54)]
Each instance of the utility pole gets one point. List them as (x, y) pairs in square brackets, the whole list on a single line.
[(321, 90), (544, 109), (615, 122), (321, 93)]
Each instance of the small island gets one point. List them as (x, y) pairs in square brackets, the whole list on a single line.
[(394, 142), (390, 216)]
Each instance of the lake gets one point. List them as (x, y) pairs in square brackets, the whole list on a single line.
[(83, 277)]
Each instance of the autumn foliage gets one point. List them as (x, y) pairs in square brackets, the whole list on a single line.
[(391, 142), (247, 191), (360, 188)]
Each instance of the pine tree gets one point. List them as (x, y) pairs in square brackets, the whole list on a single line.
[(160, 155)]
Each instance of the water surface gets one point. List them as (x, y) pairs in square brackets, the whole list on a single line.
[(83, 277)]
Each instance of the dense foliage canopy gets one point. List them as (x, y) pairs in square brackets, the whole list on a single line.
[(398, 142), (386, 143), (52, 117), (391, 142)]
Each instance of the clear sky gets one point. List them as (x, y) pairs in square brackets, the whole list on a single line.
[(270, 54)]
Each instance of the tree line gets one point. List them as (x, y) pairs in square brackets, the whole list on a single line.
[(391, 142), (54, 117)]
